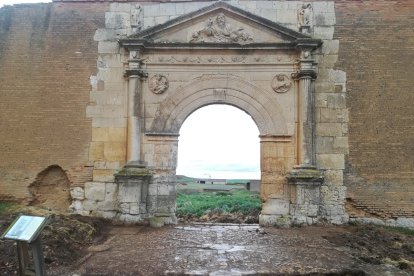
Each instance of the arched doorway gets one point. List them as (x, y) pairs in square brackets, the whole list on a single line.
[(219, 142)]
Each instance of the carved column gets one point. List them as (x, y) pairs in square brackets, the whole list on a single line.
[(134, 74), (306, 118), (304, 180)]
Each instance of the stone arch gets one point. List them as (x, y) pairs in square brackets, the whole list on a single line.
[(261, 105), (51, 189)]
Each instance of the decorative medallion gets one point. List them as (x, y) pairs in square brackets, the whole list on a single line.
[(281, 83), (219, 30), (158, 84)]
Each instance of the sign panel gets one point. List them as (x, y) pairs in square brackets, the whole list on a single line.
[(25, 228)]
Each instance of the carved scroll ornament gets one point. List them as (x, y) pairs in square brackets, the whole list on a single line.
[(158, 84), (219, 30), (281, 83)]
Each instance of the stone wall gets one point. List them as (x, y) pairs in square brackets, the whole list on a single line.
[(47, 54), (55, 76), (376, 51)]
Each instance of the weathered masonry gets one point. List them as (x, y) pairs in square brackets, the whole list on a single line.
[(112, 83)]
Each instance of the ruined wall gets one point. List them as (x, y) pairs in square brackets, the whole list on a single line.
[(47, 54), (376, 50)]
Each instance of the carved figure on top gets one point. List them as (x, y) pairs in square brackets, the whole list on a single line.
[(219, 30), (136, 17), (158, 84), (305, 15)]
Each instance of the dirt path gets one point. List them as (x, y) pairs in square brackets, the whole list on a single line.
[(202, 249)]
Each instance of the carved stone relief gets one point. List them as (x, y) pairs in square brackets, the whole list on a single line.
[(219, 30), (229, 59), (305, 16), (281, 83), (136, 17), (158, 84)]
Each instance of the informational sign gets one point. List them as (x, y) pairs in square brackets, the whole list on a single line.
[(25, 228)]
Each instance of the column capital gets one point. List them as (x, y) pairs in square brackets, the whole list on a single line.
[(130, 73)]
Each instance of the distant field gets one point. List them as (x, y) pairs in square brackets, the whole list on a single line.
[(188, 183)]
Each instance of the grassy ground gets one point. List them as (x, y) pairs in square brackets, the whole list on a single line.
[(201, 204)]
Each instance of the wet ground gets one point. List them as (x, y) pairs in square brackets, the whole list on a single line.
[(215, 249)]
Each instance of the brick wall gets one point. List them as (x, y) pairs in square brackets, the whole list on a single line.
[(47, 55), (377, 53)]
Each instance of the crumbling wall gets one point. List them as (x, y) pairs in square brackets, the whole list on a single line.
[(47, 54), (376, 50), (51, 189)]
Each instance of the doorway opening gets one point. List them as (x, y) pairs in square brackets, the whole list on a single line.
[(218, 173)]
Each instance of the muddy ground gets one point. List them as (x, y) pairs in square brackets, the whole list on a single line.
[(75, 245)]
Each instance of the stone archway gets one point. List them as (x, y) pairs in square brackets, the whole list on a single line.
[(218, 54)]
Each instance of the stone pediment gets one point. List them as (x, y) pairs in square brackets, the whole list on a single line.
[(218, 25)]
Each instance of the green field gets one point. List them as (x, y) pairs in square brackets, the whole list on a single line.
[(199, 204)]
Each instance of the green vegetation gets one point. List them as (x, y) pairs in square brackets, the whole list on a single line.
[(203, 203), (400, 230), (4, 206)]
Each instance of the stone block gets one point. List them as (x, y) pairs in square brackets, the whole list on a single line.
[(329, 115), (163, 189), (120, 7), (115, 151), (287, 17), (111, 191), (321, 100), (324, 144), (105, 214), (274, 220), (95, 191), (166, 204), (130, 192), (330, 161), (323, 32), (167, 9), (103, 175), (124, 208), (341, 144), (76, 206), (134, 208), (275, 206), (329, 129), (324, 19), (77, 193), (105, 165), (96, 151), (89, 205), (405, 222), (117, 20), (109, 122), (108, 134), (109, 34), (330, 47), (106, 205), (161, 19), (337, 76), (334, 177), (108, 47), (130, 219), (336, 101)]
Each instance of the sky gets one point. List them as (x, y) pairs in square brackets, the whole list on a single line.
[(216, 141), (11, 2), (219, 141)]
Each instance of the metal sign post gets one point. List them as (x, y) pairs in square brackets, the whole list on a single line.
[(25, 231)]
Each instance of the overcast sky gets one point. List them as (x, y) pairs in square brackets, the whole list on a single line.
[(11, 2), (216, 141)]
